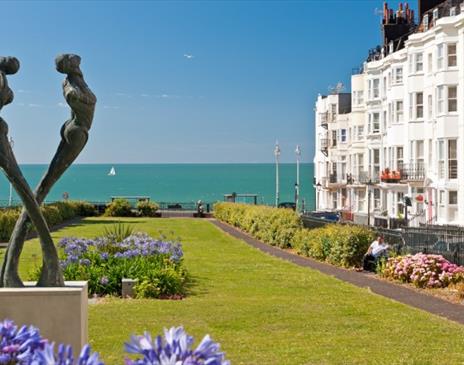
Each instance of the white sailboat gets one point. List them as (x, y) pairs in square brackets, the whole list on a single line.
[(112, 172)]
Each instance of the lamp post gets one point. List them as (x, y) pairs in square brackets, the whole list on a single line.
[(277, 155), (10, 198), (369, 183), (318, 197), (297, 185)]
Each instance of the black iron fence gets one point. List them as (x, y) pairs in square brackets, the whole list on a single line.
[(447, 241)]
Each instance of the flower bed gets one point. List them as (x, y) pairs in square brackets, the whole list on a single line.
[(25, 346), (157, 265), (424, 271)]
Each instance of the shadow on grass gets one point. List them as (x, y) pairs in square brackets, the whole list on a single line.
[(192, 289)]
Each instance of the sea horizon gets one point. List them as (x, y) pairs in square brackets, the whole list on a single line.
[(172, 182)]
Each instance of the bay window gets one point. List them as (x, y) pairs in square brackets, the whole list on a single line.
[(452, 57)]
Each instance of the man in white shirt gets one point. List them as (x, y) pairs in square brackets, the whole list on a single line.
[(377, 249)]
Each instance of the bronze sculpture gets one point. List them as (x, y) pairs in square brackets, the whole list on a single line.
[(74, 136)]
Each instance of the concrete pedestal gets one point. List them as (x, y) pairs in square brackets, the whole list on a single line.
[(60, 313)]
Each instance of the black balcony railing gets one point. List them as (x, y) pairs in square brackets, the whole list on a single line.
[(333, 178)]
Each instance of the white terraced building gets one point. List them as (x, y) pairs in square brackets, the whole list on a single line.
[(394, 141)]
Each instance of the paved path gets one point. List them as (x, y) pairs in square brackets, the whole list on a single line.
[(454, 312)]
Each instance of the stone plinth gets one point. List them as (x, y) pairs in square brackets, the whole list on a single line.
[(60, 313)]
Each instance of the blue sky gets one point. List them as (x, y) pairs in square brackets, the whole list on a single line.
[(256, 70)]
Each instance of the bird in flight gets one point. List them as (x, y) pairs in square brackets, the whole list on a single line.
[(188, 56)]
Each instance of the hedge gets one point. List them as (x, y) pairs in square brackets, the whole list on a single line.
[(54, 213), (122, 208), (270, 225), (340, 245)]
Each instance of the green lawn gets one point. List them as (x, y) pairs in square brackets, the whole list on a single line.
[(267, 311)]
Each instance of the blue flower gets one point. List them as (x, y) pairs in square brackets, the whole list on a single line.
[(174, 348)]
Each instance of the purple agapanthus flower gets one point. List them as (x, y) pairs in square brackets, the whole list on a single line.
[(174, 348), (104, 280)]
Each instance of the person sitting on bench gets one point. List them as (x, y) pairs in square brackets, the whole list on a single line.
[(376, 250)]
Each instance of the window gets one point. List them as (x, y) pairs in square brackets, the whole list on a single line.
[(358, 98), (399, 111), (440, 57), (447, 159), (360, 157), (361, 199), (441, 159), (452, 197), (376, 162), (360, 133), (375, 88), (419, 105), (374, 123), (452, 159), (430, 107), (452, 99), (452, 58), (343, 135), (420, 154), (430, 63), (440, 99), (450, 94), (377, 199), (399, 75), (416, 106), (419, 62), (441, 197), (334, 138), (384, 91), (399, 158)]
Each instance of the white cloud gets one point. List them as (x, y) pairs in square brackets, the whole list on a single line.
[(62, 105), (32, 105), (189, 56)]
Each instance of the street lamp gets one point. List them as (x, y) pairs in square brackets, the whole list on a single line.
[(297, 185), (369, 184), (277, 155), (10, 199)]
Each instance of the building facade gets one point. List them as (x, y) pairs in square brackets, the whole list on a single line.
[(387, 153)]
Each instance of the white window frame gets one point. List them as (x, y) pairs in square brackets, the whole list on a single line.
[(452, 60), (419, 63), (399, 112), (440, 56)]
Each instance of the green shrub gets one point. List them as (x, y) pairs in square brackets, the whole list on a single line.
[(146, 208), (337, 244), (54, 213), (274, 226), (119, 208), (83, 208)]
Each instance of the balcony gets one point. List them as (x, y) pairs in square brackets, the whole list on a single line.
[(413, 172), (324, 117), (363, 178), (336, 180), (325, 146)]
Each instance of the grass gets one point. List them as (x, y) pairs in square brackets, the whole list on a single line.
[(267, 311)]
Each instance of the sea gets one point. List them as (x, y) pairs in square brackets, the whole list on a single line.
[(180, 183)]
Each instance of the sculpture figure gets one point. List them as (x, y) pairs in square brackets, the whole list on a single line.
[(74, 136)]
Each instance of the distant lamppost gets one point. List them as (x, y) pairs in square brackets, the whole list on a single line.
[(318, 198), (297, 185), (369, 184), (277, 156), (10, 199)]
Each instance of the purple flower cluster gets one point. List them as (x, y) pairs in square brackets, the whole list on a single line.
[(25, 346), (174, 348), (136, 245), (424, 271)]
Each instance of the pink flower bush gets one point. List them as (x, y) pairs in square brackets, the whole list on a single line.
[(424, 271)]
